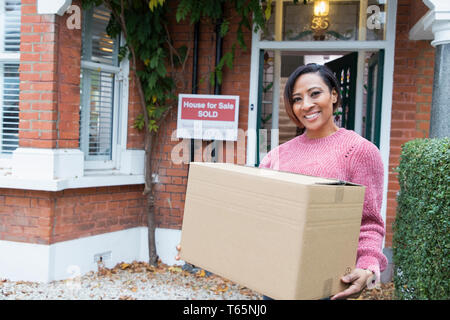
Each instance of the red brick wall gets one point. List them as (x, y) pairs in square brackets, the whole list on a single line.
[(25, 216), (68, 79), (418, 10), (90, 211), (38, 78), (45, 217), (135, 138), (49, 80), (413, 81)]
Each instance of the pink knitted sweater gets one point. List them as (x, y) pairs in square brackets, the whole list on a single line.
[(347, 156)]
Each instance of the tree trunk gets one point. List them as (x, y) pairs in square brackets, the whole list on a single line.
[(151, 225), (150, 137), (150, 196)]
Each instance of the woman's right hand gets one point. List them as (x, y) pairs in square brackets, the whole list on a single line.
[(177, 257)]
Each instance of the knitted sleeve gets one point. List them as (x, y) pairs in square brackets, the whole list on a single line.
[(271, 160), (366, 168), (265, 162)]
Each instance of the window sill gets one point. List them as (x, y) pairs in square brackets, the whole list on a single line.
[(91, 178), (59, 169)]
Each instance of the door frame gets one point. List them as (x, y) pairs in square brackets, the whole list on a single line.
[(374, 109), (387, 45)]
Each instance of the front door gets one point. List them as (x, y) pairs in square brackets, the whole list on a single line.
[(345, 69)]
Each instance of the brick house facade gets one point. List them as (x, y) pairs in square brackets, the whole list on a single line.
[(62, 210)]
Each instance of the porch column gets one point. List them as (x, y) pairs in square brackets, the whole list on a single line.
[(439, 21)]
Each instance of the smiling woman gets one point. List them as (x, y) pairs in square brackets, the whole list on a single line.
[(313, 105), (311, 95)]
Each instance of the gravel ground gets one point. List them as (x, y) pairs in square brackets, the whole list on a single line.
[(135, 281), (139, 281)]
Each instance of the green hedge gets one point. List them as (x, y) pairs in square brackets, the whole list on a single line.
[(421, 241)]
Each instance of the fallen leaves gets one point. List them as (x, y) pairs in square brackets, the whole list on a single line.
[(124, 266), (24, 282), (385, 291), (246, 291), (133, 267), (174, 269), (216, 284), (221, 288), (200, 273)]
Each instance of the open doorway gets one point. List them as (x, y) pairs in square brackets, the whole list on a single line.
[(274, 125)]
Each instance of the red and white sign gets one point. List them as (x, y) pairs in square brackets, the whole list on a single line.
[(207, 117)]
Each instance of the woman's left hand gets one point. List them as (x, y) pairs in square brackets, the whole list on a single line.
[(358, 279)]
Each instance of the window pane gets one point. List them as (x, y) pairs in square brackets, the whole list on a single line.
[(10, 107), (97, 45), (96, 120), (97, 86), (342, 20), (11, 32)]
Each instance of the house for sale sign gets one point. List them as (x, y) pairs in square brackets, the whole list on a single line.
[(207, 117)]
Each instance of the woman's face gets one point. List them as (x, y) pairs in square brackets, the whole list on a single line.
[(313, 105)]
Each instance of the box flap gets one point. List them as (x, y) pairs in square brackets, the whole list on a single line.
[(340, 183), (269, 173)]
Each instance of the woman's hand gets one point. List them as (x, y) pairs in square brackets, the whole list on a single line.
[(177, 257), (358, 279)]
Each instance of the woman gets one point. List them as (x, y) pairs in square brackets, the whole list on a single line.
[(311, 95)]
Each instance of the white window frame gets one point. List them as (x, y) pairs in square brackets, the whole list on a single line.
[(59, 169), (120, 113), (5, 57)]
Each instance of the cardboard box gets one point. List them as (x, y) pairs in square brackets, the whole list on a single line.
[(284, 235)]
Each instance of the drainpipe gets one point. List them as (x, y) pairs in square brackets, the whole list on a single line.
[(219, 41), (217, 87), (194, 74)]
